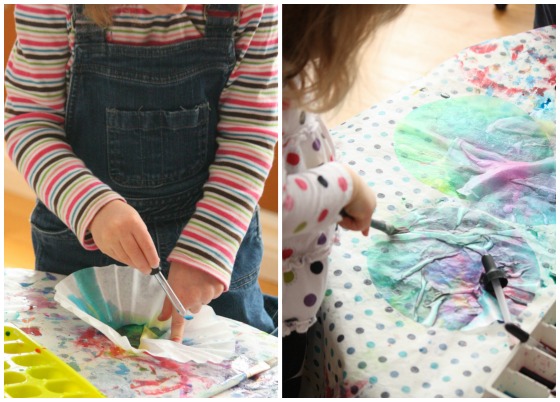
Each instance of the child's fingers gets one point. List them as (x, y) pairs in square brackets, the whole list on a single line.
[(135, 254), (196, 308), (147, 247), (116, 252), (177, 328), (166, 310)]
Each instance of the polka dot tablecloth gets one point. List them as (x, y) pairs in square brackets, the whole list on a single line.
[(362, 345)]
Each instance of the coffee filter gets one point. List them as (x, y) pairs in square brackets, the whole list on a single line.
[(116, 299)]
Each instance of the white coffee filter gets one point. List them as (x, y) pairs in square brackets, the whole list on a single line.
[(109, 298)]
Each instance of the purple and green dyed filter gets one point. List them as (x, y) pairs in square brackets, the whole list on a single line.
[(500, 162), (431, 274), (484, 150)]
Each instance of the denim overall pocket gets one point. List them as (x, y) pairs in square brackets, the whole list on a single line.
[(150, 149)]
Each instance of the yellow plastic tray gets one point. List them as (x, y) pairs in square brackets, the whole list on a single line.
[(31, 371)]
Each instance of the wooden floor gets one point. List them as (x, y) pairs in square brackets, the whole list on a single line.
[(423, 37)]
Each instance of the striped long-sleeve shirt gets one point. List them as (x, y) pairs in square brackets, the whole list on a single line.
[(37, 76)]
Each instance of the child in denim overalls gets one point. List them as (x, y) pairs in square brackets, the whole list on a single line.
[(132, 168)]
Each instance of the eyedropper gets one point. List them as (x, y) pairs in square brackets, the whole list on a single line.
[(170, 293), (494, 280)]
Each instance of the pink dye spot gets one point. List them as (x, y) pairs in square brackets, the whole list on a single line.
[(552, 80), (95, 340), (482, 49), (480, 78), (516, 50), (32, 331), (157, 389)]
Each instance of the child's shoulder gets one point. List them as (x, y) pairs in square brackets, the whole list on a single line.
[(297, 121), (42, 10)]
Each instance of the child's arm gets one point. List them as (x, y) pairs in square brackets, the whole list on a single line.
[(34, 119), (247, 133), (36, 78), (313, 199)]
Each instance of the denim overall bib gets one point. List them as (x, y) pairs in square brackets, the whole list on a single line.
[(143, 119)]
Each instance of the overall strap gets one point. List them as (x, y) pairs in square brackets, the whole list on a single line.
[(221, 19), (86, 30)]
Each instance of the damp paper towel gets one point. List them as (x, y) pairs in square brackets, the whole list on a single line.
[(117, 299)]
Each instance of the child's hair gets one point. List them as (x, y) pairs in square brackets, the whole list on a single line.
[(320, 44), (99, 13)]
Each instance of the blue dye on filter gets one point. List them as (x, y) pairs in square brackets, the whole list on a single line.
[(92, 301)]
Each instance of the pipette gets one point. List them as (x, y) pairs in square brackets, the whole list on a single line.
[(494, 280), (171, 294), (387, 228)]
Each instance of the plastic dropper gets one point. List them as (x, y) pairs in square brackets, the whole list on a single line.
[(494, 280), (171, 294)]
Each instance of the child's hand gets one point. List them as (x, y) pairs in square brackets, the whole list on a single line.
[(119, 231), (358, 212), (194, 288)]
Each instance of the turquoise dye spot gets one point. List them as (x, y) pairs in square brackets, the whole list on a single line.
[(405, 389), (493, 351), (368, 312), (358, 298), (403, 354), (372, 380), (481, 338), (446, 378), (91, 300), (123, 370), (434, 366), (328, 292), (485, 150), (370, 344), (399, 324)]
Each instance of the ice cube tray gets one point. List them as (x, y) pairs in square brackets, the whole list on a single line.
[(512, 382), (31, 371)]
